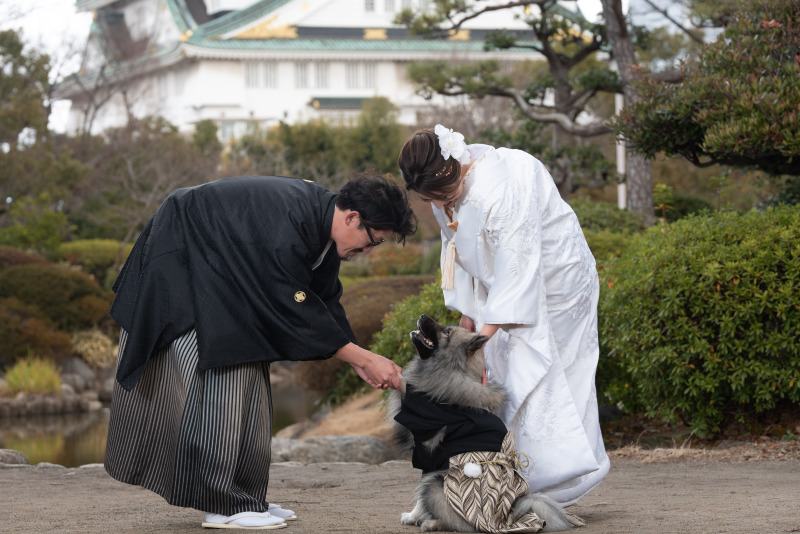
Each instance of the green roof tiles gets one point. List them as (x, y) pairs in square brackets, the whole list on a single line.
[(239, 18), (334, 45)]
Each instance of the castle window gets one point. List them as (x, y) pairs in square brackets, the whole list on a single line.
[(270, 74), (321, 75), (370, 80), (301, 75), (351, 75), (251, 71), (361, 75)]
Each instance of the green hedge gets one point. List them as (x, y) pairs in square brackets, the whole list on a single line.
[(684, 205), (700, 320), (96, 256), (71, 299), (606, 244), (599, 216)]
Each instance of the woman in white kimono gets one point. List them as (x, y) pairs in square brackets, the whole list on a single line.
[(516, 265)]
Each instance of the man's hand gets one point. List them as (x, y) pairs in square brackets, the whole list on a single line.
[(374, 369)]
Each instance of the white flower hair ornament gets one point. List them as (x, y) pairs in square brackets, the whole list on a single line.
[(452, 144)]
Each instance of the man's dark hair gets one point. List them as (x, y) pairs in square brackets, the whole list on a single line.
[(381, 203)]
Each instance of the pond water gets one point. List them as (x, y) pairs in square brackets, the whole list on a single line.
[(73, 440)]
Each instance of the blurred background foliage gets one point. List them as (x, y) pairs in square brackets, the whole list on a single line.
[(699, 314)]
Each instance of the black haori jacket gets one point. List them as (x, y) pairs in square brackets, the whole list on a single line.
[(468, 429), (233, 259)]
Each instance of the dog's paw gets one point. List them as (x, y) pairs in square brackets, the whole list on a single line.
[(430, 525), (407, 518)]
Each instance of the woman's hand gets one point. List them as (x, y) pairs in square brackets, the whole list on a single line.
[(467, 322)]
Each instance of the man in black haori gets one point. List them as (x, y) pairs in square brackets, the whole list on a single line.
[(225, 278)]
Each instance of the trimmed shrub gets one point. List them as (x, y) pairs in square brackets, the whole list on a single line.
[(395, 260), (599, 216), (357, 267), (35, 224), (606, 244), (366, 304), (96, 348), (69, 298), (393, 340), (699, 320), (95, 256), (431, 259), (684, 205), (607, 229), (24, 329), (10, 256), (33, 375)]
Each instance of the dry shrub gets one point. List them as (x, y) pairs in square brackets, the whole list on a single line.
[(366, 305), (94, 309), (94, 347), (24, 329), (389, 261), (10, 256), (319, 375), (58, 293)]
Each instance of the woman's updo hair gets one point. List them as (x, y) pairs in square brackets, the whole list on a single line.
[(424, 169)]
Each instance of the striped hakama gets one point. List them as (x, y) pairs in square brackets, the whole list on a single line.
[(200, 439)]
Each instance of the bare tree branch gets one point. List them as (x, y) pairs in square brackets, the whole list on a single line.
[(457, 23), (666, 76), (688, 31), (564, 121)]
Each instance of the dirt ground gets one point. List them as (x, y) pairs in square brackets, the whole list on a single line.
[(689, 495), (734, 486)]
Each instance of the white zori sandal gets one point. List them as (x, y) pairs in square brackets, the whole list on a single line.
[(245, 520), (277, 511)]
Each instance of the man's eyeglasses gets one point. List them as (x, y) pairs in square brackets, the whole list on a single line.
[(372, 243)]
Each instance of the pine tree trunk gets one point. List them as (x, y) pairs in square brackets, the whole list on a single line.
[(639, 171), (640, 185)]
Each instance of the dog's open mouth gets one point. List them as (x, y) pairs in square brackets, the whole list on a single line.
[(419, 336)]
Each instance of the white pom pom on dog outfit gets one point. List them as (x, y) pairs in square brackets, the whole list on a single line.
[(472, 470)]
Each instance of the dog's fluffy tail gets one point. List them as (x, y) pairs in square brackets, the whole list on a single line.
[(553, 514)]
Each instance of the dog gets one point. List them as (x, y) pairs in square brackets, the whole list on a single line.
[(455, 410)]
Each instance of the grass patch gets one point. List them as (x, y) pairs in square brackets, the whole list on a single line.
[(33, 375)]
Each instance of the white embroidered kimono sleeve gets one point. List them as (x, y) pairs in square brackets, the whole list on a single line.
[(512, 228)]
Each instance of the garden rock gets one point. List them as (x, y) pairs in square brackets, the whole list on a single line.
[(79, 367), (325, 449), (74, 381), (10, 456)]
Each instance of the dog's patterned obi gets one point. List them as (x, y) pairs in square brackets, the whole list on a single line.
[(485, 501), (468, 429)]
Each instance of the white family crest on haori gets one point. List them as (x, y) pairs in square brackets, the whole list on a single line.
[(452, 144)]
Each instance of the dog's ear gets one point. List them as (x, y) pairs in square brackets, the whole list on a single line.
[(476, 343)]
